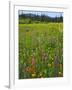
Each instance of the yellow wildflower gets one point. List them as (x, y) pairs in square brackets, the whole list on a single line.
[(42, 77), (60, 73), (49, 65), (40, 74), (52, 58), (33, 75), (52, 62)]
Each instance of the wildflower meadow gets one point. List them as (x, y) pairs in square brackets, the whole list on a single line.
[(40, 48)]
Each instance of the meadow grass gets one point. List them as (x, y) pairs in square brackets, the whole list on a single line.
[(40, 50)]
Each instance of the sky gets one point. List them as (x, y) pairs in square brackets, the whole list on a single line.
[(51, 14)]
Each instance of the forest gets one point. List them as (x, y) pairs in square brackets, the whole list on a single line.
[(33, 18)]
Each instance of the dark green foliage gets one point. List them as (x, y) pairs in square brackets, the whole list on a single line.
[(33, 18)]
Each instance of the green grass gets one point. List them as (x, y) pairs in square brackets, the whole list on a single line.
[(40, 50)]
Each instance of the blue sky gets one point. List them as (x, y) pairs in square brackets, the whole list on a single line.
[(51, 14)]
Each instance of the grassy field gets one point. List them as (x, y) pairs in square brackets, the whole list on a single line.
[(40, 50)]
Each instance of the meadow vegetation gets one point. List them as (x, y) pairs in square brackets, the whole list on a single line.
[(40, 50)]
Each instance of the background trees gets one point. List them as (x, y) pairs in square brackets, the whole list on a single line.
[(33, 18)]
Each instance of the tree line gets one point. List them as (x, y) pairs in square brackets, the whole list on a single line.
[(33, 18)]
